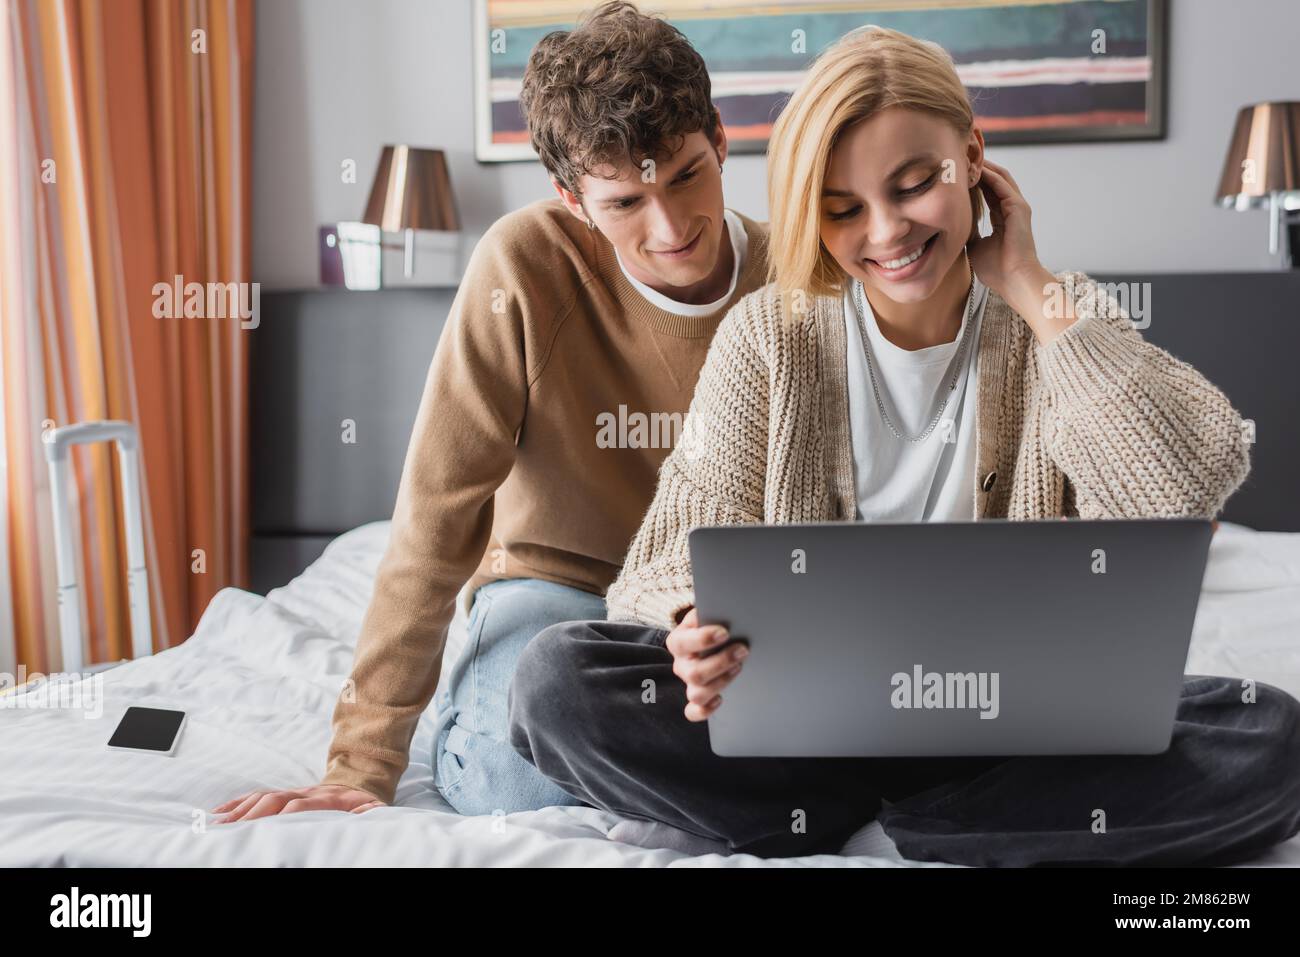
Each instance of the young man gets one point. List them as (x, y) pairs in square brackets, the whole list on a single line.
[(559, 385)]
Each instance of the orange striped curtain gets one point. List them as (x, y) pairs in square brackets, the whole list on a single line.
[(124, 163)]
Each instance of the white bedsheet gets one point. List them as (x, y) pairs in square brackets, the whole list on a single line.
[(259, 679)]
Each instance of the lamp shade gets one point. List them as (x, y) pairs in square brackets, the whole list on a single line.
[(412, 190), (1263, 156)]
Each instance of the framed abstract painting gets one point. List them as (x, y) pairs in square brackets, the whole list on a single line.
[(1049, 71)]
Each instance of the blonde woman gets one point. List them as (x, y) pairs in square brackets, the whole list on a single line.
[(900, 367)]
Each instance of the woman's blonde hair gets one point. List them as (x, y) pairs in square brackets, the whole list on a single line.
[(867, 70)]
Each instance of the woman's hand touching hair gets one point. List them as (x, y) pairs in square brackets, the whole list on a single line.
[(1007, 261), (1007, 255)]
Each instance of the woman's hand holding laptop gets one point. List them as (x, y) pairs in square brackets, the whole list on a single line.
[(697, 661)]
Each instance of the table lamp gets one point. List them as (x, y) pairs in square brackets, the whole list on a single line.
[(1262, 168), (412, 190)]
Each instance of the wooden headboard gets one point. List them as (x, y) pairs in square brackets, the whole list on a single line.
[(322, 357)]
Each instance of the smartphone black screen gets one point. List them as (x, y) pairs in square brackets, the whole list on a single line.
[(148, 729)]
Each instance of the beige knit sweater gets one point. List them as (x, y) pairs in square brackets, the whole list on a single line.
[(1097, 423)]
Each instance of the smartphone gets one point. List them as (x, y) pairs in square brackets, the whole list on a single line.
[(148, 729), (727, 645)]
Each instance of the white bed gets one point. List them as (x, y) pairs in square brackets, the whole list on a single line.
[(259, 678)]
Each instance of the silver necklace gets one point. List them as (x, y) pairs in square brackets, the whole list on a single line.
[(858, 298)]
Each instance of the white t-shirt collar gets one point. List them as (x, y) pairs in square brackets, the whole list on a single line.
[(739, 246)]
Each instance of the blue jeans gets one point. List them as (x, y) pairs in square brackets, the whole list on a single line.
[(474, 767)]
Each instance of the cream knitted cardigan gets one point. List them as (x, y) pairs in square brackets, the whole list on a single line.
[(1098, 423)]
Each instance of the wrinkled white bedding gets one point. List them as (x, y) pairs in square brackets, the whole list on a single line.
[(259, 679)]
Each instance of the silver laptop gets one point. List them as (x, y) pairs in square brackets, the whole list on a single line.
[(993, 637)]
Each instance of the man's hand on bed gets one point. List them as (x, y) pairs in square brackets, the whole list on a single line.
[(321, 797), (706, 675)]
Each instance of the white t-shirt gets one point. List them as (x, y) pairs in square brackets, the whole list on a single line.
[(899, 481), (739, 246)]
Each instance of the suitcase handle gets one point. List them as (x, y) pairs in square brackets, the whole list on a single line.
[(57, 443)]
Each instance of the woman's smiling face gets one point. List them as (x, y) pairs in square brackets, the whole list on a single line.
[(885, 198)]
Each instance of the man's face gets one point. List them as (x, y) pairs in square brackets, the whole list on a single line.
[(665, 217), (885, 197)]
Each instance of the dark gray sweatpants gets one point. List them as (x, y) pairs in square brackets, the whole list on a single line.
[(1227, 788)]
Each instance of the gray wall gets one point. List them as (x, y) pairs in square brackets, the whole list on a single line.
[(336, 79)]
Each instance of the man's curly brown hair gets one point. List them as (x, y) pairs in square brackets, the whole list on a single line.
[(620, 84)]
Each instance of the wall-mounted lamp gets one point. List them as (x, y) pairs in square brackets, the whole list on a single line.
[(1262, 168), (412, 190)]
